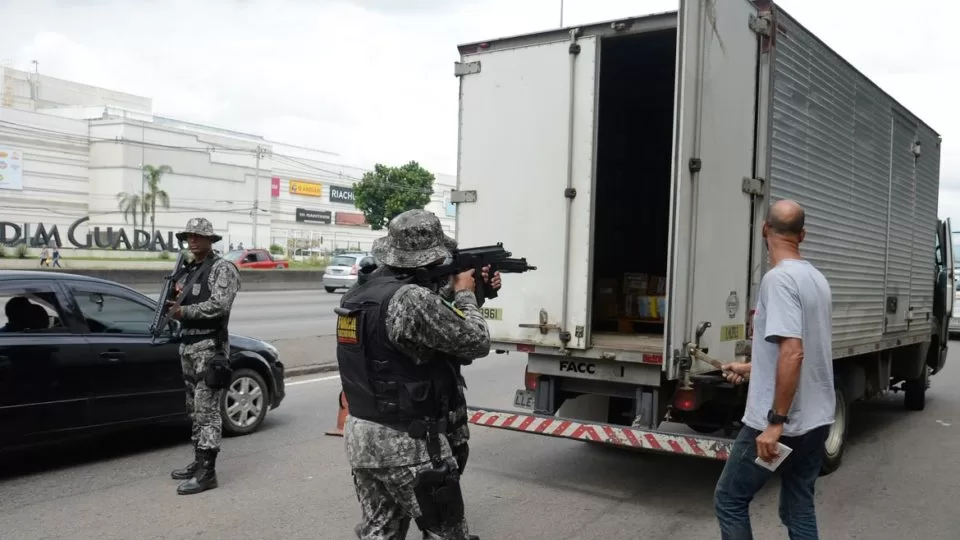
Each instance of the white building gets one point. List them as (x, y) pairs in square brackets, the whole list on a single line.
[(67, 152)]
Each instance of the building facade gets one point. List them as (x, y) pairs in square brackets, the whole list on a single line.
[(72, 159)]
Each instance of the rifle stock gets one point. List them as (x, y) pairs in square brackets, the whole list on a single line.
[(161, 317)]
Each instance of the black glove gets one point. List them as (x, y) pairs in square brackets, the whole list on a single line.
[(461, 453)]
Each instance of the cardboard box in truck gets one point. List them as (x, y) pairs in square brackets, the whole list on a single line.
[(728, 106)]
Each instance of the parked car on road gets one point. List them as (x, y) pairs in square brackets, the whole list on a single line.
[(258, 259), (76, 356), (343, 269)]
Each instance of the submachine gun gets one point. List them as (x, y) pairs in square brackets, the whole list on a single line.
[(476, 258), (161, 317)]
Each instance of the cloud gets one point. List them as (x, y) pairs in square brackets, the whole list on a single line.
[(372, 79)]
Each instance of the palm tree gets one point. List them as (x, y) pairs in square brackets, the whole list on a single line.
[(130, 204), (153, 194)]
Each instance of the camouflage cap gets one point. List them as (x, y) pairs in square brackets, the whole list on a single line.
[(201, 227), (414, 238)]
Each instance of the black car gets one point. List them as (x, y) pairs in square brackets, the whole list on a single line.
[(76, 356)]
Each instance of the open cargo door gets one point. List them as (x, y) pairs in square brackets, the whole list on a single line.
[(947, 255), (715, 183), (526, 130)]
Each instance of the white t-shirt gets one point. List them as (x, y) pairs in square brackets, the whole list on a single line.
[(794, 302)]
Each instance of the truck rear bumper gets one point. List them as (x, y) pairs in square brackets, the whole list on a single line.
[(643, 439)]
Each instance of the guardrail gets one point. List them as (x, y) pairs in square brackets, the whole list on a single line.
[(252, 280)]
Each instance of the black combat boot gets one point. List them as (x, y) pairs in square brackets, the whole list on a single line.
[(205, 477), (188, 471)]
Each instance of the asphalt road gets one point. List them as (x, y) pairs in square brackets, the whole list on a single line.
[(290, 481)]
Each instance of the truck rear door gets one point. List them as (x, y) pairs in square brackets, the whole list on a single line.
[(526, 115), (715, 162)]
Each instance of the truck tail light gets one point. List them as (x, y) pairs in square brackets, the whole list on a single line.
[(685, 400), (353, 270), (530, 380)]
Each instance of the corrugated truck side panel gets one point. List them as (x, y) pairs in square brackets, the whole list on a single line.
[(844, 150)]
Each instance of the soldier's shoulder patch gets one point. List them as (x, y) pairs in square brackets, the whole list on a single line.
[(347, 329), (455, 309)]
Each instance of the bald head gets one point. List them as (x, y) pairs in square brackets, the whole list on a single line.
[(785, 218)]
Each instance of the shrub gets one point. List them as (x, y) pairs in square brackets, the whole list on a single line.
[(22, 251)]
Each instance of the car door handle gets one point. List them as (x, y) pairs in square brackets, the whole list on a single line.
[(113, 356)]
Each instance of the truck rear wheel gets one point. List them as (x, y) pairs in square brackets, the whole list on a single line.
[(837, 436), (915, 391)]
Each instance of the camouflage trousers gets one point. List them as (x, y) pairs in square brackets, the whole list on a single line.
[(203, 404), (388, 504)]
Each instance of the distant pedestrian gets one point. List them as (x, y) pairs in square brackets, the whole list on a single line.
[(231, 246), (56, 256), (240, 247), (790, 398), (44, 256)]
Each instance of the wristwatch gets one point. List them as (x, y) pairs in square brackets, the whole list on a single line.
[(775, 418)]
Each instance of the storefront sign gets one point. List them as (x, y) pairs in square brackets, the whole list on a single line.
[(37, 235), (308, 189), (11, 169), (339, 194), (350, 218), (275, 187), (321, 217)]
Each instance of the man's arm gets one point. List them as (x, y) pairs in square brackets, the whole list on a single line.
[(785, 327), (421, 324), (224, 284)]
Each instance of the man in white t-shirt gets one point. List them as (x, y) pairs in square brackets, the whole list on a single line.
[(790, 398)]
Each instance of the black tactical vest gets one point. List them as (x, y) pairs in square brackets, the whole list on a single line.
[(201, 285), (382, 384)]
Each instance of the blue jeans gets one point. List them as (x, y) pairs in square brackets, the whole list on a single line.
[(742, 479)]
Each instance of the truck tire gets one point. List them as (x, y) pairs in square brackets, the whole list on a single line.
[(915, 391), (330, 289), (837, 436)]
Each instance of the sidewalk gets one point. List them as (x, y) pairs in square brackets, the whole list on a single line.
[(306, 355)]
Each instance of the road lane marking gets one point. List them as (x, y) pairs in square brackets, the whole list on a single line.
[(318, 379)]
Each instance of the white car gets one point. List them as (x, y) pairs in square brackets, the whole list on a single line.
[(343, 269)]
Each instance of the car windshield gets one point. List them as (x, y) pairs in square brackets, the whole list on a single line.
[(343, 260), (233, 256)]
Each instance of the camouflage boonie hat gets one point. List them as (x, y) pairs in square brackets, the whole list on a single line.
[(201, 227), (414, 238)]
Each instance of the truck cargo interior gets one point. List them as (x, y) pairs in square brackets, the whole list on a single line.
[(631, 227)]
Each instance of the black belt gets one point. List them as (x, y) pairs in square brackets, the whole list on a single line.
[(192, 339)]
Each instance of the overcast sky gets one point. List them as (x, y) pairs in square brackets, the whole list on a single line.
[(373, 79)]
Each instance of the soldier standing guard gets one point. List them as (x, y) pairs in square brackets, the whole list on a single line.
[(207, 292), (398, 342)]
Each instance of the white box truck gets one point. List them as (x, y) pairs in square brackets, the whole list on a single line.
[(633, 162)]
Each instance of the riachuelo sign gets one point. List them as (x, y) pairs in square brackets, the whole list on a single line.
[(38, 235)]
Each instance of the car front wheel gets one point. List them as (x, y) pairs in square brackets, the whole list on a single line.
[(243, 404)]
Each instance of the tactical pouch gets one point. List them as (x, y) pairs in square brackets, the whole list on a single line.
[(441, 502), (218, 373)]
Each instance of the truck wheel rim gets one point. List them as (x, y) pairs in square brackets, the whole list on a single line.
[(837, 433)]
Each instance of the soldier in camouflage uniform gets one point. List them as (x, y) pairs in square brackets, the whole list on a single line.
[(398, 343), (203, 313), (458, 436)]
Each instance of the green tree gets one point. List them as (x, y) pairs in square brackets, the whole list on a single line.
[(153, 195), (388, 191)]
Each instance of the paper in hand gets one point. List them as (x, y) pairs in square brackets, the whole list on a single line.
[(772, 466)]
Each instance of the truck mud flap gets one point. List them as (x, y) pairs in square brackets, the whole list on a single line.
[(615, 435)]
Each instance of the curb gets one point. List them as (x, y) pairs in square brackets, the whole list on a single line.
[(310, 369)]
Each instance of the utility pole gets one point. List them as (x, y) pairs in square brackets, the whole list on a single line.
[(561, 13), (256, 198)]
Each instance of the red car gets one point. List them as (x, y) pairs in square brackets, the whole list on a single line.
[(258, 259)]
